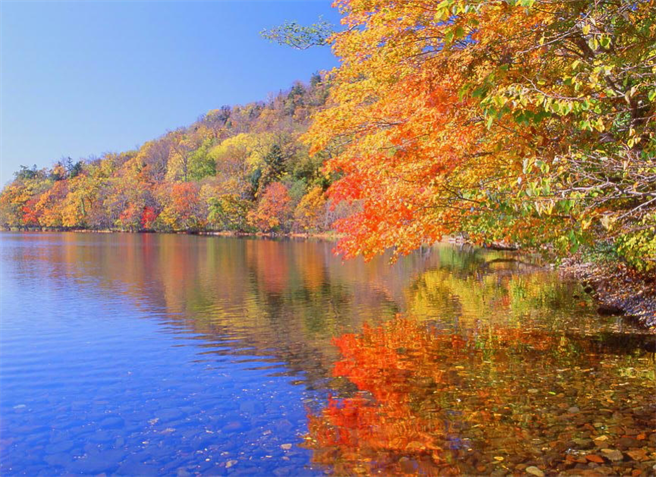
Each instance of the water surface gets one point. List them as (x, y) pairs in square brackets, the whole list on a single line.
[(187, 355)]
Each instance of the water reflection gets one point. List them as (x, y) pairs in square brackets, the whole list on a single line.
[(486, 399), (286, 298), (187, 355)]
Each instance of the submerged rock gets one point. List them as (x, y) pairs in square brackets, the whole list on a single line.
[(534, 471), (613, 454)]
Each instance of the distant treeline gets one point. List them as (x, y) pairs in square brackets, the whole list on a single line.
[(238, 168)]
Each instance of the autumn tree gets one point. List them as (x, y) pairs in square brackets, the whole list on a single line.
[(49, 205), (309, 215), (236, 158), (81, 199), (520, 120), (228, 212), (178, 166), (182, 209), (19, 199), (273, 212)]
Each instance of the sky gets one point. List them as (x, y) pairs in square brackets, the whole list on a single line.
[(79, 79)]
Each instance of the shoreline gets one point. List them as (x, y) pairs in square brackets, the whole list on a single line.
[(617, 290), (319, 235)]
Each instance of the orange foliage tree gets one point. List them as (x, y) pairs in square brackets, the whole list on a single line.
[(182, 208), (521, 120), (274, 210), (50, 204)]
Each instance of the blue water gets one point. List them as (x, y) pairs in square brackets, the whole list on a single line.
[(94, 381), (141, 355)]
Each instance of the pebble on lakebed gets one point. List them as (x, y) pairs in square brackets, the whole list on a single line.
[(534, 471)]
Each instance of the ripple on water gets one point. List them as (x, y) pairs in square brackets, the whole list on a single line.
[(178, 355)]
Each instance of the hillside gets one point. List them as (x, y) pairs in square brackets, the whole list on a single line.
[(238, 168)]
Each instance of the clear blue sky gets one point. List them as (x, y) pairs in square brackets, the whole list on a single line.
[(83, 78)]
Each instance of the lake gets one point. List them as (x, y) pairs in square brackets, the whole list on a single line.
[(183, 355)]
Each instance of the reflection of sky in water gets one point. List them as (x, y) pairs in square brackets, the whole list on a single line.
[(182, 355), (89, 387), (144, 355)]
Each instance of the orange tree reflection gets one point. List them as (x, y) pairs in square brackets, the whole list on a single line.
[(434, 402)]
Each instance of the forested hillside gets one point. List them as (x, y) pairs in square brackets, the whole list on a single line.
[(240, 168)]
